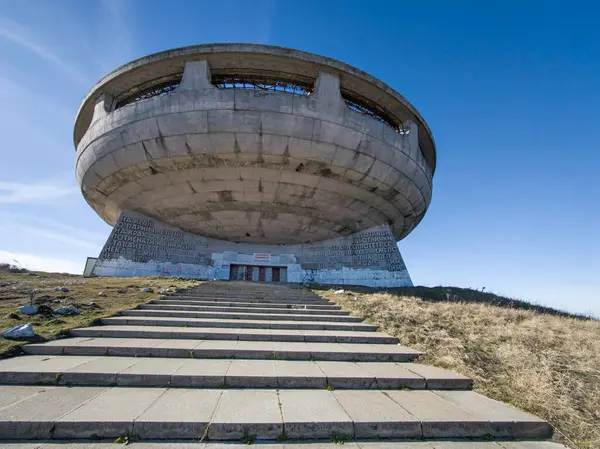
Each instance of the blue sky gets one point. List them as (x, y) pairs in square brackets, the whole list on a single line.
[(510, 90)]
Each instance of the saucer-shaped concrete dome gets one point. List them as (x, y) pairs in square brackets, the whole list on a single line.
[(253, 143)]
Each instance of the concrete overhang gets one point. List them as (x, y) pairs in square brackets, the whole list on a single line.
[(253, 59)]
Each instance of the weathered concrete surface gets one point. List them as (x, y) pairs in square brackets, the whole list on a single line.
[(141, 246), (213, 373), (247, 413), (214, 333), (380, 417), (463, 444), (233, 322), (296, 315), (273, 168), (178, 414), (229, 388), (281, 350)]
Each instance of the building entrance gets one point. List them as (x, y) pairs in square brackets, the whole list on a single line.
[(257, 273)]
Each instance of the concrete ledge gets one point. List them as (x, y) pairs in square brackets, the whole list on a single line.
[(232, 314), (207, 373), (209, 333), (223, 349), (164, 305), (305, 444)]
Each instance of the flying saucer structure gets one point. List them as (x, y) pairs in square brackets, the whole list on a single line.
[(240, 161)]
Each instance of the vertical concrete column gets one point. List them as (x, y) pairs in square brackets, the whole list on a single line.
[(196, 76), (327, 92), (102, 107)]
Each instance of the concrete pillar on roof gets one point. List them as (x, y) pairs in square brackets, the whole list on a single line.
[(327, 92), (103, 106), (196, 76)]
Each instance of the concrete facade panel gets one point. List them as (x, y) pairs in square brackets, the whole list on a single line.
[(141, 246), (140, 130), (253, 165), (191, 122)]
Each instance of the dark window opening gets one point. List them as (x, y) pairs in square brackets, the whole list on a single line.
[(262, 84)]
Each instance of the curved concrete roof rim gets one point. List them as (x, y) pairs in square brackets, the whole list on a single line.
[(259, 49)]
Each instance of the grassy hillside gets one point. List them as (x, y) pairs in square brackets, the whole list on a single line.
[(541, 360), (121, 293)]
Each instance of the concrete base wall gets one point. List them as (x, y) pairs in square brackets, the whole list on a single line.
[(142, 246)]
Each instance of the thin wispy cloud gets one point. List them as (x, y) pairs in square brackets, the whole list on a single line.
[(50, 232), (21, 36), (25, 99), (116, 31), (41, 263), (72, 241), (18, 219), (34, 192)]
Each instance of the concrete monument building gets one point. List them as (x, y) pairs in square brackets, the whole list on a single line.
[(239, 161)]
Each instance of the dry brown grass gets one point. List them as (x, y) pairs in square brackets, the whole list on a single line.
[(121, 294), (547, 365)]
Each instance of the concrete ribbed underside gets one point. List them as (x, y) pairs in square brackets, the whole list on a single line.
[(226, 164), (200, 171)]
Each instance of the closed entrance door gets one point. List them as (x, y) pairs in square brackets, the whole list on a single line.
[(262, 274), (275, 277)]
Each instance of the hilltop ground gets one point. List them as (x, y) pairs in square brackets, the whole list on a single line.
[(538, 359), (121, 294)]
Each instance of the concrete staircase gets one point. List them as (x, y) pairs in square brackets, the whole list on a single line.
[(237, 361)]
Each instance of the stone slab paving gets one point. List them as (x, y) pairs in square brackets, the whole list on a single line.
[(211, 373), (218, 307), (91, 412), (157, 320), (229, 363), (178, 414), (258, 313), (283, 299), (326, 307), (35, 416), (465, 444), (262, 316), (446, 417), (314, 414), (108, 414), (380, 417), (160, 347), (241, 413), (213, 333), (290, 302)]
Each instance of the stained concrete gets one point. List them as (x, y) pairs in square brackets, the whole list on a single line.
[(142, 246), (303, 169), (200, 126), (225, 389)]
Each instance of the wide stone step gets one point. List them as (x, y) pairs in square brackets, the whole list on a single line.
[(210, 373), (283, 295), (241, 315), (249, 291), (163, 305), (57, 412), (236, 323), (248, 298), (307, 444), (210, 333), (223, 349), (272, 304)]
